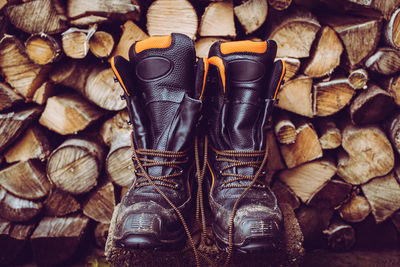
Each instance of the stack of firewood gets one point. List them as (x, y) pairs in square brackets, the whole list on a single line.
[(65, 158)]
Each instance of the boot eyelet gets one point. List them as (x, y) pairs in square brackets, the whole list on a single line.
[(176, 186), (263, 173), (220, 171), (180, 171)]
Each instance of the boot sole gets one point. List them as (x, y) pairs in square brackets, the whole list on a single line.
[(250, 245), (149, 242)]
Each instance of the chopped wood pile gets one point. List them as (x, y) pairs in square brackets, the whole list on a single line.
[(65, 155)]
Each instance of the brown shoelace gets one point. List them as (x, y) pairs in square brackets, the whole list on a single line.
[(230, 156), (163, 181)]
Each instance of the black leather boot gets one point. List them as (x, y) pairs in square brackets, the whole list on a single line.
[(163, 87), (244, 81)]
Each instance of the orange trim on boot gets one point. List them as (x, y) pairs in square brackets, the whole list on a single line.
[(118, 76), (217, 61), (206, 65), (280, 80), (153, 42), (243, 46)]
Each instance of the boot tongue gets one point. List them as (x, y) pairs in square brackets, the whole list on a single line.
[(243, 114)]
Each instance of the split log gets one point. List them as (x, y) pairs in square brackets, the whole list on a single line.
[(203, 45), (392, 126), (33, 144), (285, 194), (330, 136), (392, 29), (100, 204), (36, 16), (369, 154), (14, 123), (56, 239), (332, 96), (392, 86), (251, 14), (68, 114), (75, 165), (101, 44), (100, 234), (340, 236), (355, 210), (130, 34), (111, 128), (17, 68), (385, 60), (94, 82), (307, 179), (17, 209), (326, 55), (13, 238), (279, 4), (295, 96), (43, 48), (60, 203), (167, 16), (218, 20), (25, 179), (367, 106), (383, 193), (43, 93), (8, 98), (3, 3), (119, 165), (331, 195), (75, 42), (360, 36), (292, 67), (294, 33), (306, 148), (358, 79), (83, 12), (312, 222), (285, 130)]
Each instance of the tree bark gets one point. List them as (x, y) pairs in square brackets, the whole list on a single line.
[(43, 48)]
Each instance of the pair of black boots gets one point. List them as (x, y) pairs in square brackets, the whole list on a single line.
[(173, 100)]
